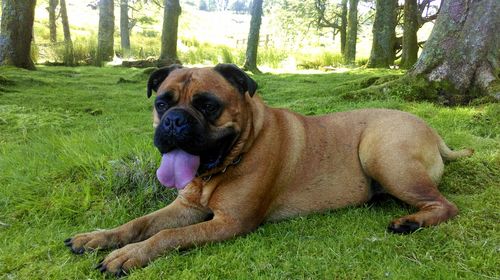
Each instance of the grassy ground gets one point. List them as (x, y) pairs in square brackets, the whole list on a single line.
[(76, 154)]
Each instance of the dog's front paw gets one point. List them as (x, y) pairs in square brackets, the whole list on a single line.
[(90, 241), (121, 261)]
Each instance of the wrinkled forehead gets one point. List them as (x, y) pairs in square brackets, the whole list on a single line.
[(190, 81)]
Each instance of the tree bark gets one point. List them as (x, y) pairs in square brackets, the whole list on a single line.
[(105, 39), (384, 34), (253, 38), (172, 11), (52, 20), (343, 26), (69, 55), (124, 28), (410, 27), (462, 52), (16, 33), (352, 33)]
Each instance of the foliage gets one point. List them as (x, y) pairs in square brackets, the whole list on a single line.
[(299, 19), (79, 157), (296, 17)]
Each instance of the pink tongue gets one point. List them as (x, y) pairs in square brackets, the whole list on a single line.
[(177, 168)]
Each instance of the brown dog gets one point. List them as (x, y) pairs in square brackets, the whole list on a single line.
[(255, 164)]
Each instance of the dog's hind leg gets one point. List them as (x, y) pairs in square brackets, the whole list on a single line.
[(406, 178), (420, 191), (409, 168)]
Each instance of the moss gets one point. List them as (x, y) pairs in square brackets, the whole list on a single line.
[(6, 82), (493, 89), (410, 88), (393, 86)]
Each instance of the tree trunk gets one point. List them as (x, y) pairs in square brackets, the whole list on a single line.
[(69, 56), (105, 39), (352, 33), (171, 15), (384, 34), (16, 33), (343, 26), (52, 20), (253, 38), (461, 54), (124, 28), (410, 27)]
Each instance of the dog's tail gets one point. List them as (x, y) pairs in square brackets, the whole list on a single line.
[(448, 154)]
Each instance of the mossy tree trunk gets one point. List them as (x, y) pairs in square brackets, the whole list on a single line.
[(461, 55), (16, 33), (410, 27), (352, 33), (253, 38), (52, 20), (105, 39), (384, 34), (172, 11), (124, 28), (69, 56)]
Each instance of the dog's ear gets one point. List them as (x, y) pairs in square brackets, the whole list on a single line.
[(237, 78), (157, 77)]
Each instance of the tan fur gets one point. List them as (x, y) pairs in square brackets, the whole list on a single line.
[(291, 165)]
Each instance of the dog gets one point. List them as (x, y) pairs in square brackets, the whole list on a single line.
[(238, 163)]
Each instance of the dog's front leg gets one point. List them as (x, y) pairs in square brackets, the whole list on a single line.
[(140, 254), (178, 214)]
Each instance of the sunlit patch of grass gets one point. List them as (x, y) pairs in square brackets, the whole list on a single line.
[(76, 154)]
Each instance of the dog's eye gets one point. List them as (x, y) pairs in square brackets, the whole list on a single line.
[(161, 106), (209, 107)]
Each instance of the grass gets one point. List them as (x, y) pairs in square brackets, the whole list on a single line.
[(76, 154)]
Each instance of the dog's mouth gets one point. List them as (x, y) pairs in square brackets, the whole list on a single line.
[(179, 166)]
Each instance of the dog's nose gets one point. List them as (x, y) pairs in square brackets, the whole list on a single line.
[(175, 121)]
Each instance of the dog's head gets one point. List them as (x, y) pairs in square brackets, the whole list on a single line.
[(199, 110)]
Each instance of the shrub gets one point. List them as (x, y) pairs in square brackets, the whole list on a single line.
[(85, 49), (271, 57), (316, 61), (362, 61), (150, 33), (226, 55)]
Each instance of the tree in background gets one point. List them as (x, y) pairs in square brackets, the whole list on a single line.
[(352, 33), (410, 28), (218, 5), (253, 38), (384, 34), (328, 15), (69, 56), (124, 28), (203, 6), (105, 38), (240, 7), (16, 33), (52, 20), (415, 14), (343, 26), (461, 55), (299, 17), (172, 11)]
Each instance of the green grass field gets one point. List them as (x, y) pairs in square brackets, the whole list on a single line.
[(76, 154)]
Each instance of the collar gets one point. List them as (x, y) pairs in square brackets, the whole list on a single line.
[(233, 163)]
